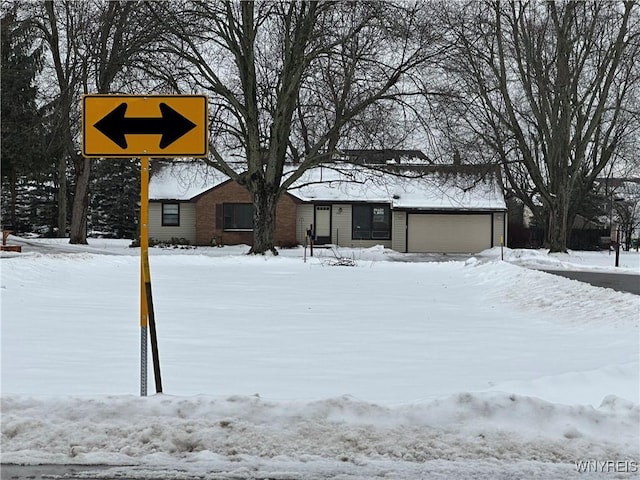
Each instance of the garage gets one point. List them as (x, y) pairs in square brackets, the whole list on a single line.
[(449, 233)]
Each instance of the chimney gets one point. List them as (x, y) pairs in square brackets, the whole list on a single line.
[(456, 157)]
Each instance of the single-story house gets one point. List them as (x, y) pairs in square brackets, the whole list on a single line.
[(443, 209)]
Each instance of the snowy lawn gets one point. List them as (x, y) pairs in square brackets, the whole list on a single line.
[(273, 365)]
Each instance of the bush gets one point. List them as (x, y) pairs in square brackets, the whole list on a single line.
[(174, 242)]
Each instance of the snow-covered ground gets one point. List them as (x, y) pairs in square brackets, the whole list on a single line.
[(274, 367), (596, 261)]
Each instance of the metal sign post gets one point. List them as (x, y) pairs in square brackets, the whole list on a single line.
[(132, 126), (147, 316), (144, 257)]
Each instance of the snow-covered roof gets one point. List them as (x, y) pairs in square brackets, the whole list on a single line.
[(428, 189), (182, 180), (432, 189)]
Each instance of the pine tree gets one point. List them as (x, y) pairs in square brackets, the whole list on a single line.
[(22, 130), (114, 200)]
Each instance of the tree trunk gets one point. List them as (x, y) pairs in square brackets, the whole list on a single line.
[(62, 197), (264, 221), (557, 226), (14, 202), (626, 230), (556, 235), (80, 207)]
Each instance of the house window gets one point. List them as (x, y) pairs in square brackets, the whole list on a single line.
[(238, 216), (170, 214), (371, 222)]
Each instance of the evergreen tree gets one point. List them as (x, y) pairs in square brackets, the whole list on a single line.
[(22, 131), (115, 195)]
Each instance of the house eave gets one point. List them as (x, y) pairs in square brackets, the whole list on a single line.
[(172, 200), (449, 209)]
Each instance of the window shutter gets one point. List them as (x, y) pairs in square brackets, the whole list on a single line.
[(219, 215)]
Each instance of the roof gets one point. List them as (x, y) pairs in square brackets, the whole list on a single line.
[(424, 188), (431, 188), (385, 157), (182, 180)]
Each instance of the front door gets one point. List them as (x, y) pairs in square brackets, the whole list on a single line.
[(322, 224)]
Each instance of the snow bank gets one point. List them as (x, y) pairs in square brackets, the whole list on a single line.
[(565, 300), (573, 260), (158, 430)]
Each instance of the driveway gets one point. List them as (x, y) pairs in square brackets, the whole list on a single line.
[(621, 282), (34, 246)]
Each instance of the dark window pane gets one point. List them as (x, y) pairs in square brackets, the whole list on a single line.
[(371, 222), (238, 216), (228, 215), (171, 214), (381, 223), (244, 215), (361, 222)]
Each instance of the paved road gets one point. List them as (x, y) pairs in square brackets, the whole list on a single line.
[(105, 472), (42, 472), (455, 470), (621, 282)]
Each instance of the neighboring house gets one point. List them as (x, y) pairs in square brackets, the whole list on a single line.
[(448, 209), (621, 202)]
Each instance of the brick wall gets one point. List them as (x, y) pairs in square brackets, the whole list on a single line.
[(231, 192)]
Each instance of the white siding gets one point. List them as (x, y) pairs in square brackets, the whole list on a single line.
[(341, 224), (186, 229), (498, 228), (506, 228), (304, 218), (369, 243), (399, 232)]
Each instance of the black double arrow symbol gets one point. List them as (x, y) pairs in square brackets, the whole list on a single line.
[(171, 125)]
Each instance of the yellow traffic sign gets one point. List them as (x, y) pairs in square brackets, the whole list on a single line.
[(144, 126)]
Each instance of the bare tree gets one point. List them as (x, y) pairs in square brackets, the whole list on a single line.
[(94, 46), (546, 86), (288, 80), (120, 39), (58, 29)]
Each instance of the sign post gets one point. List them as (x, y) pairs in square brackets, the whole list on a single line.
[(144, 126), (615, 236), (144, 257)]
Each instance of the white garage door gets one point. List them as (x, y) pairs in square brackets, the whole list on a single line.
[(448, 233)]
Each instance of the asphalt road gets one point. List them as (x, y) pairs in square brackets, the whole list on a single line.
[(42, 472), (621, 282), (454, 470)]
